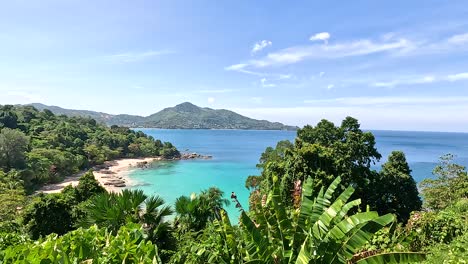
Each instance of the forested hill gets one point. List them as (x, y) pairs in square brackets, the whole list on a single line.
[(182, 116), (40, 147)]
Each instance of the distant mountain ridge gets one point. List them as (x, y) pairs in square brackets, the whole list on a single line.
[(182, 116)]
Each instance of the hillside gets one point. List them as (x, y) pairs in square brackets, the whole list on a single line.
[(182, 116), (109, 119)]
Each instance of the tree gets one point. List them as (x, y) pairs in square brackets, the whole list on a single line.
[(12, 196), (13, 145), (8, 118), (48, 213), (449, 186), (323, 153), (196, 212), (114, 210), (87, 187), (394, 188)]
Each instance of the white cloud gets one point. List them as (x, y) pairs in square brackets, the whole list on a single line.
[(406, 81), (284, 76), (458, 76), (261, 45), (410, 80), (217, 91), (388, 100), (257, 100), (389, 43), (321, 74), (241, 67), (458, 39), (265, 84), (136, 56), (340, 50), (330, 86), (211, 100), (21, 96), (323, 36)]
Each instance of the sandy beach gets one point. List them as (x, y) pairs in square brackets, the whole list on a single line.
[(115, 171)]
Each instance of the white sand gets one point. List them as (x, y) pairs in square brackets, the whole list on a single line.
[(117, 169)]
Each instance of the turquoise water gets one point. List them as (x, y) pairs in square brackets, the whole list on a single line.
[(236, 152)]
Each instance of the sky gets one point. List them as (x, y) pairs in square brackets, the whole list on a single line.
[(394, 65)]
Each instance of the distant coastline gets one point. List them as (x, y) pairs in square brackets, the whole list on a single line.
[(182, 116)]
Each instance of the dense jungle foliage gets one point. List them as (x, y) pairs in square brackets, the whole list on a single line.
[(317, 201)]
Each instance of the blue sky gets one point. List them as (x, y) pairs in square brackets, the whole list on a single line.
[(400, 65)]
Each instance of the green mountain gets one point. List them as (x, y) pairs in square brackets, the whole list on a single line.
[(182, 116)]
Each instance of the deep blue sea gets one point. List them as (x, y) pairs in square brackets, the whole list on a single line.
[(236, 152)]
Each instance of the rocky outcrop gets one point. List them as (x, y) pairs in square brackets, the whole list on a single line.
[(194, 155)]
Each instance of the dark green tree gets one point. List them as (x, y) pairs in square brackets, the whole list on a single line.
[(322, 153), (13, 145), (88, 187), (193, 213), (394, 188), (449, 185), (8, 117), (48, 213)]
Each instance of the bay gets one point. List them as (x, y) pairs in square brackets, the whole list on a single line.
[(236, 153)]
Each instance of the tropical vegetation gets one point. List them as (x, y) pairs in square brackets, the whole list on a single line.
[(318, 199)]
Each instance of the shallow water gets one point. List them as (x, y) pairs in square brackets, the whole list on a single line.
[(236, 152)]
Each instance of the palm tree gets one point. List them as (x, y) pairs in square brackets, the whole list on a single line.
[(112, 211), (195, 212)]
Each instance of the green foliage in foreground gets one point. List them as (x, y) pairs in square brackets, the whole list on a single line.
[(456, 252), (92, 245), (322, 230), (112, 211)]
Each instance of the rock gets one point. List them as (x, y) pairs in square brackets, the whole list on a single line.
[(194, 155)]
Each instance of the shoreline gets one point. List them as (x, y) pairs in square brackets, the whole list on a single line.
[(109, 174)]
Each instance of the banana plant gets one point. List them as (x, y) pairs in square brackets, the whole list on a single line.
[(321, 230)]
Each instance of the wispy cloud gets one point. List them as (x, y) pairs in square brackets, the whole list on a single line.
[(20, 96), (241, 67), (216, 91), (323, 36), (260, 45), (257, 100), (330, 86), (390, 43), (458, 77), (458, 39), (405, 81), (136, 56), (390, 100), (266, 84), (421, 80), (320, 51)]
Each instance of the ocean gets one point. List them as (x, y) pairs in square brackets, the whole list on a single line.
[(236, 153)]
